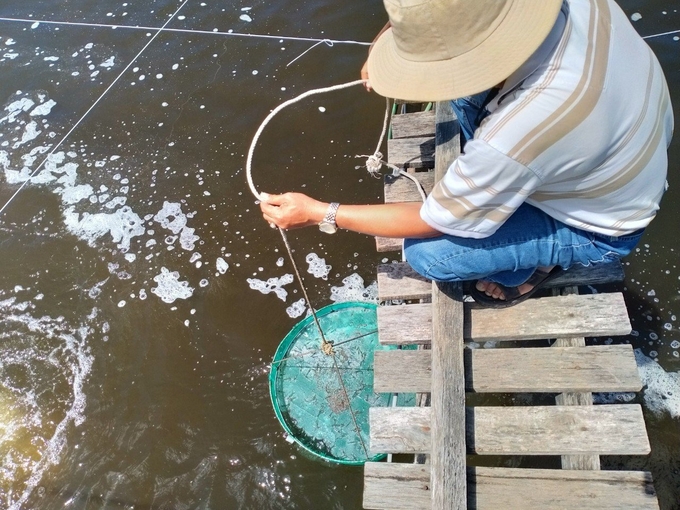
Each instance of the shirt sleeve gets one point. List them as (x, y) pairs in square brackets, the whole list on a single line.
[(479, 191)]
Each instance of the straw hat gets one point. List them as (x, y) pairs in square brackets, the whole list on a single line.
[(446, 49)]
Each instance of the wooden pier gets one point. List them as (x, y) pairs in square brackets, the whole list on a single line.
[(541, 356)]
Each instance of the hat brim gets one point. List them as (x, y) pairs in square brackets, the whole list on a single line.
[(520, 33)]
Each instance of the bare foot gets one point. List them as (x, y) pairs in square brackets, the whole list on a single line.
[(493, 290)]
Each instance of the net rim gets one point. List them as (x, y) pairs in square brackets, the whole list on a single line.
[(282, 351)]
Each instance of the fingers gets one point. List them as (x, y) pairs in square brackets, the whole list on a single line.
[(364, 76), (266, 198)]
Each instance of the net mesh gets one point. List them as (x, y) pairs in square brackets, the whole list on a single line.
[(322, 400)]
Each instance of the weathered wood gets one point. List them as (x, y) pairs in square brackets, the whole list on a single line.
[(582, 398), (402, 281), (408, 125), (386, 244), (391, 485), (406, 487), (405, 324), (402, 189), (447, 460), (523, 430), (417, 152), (601, 368), (550, 317), (539, 489), (402, 371)]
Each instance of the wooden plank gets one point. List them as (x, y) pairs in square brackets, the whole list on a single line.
[(405, 324), (402, 189), (402, 371), (550, 317), (406, 487), (408, 125), (447, 459), (402, 281), (617, 429), (600, 368), (392, 486), (583, 397), (399, 430), (417, 152), (539, 489), (386, 244)]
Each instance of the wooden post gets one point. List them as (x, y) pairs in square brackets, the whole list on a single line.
[(448, 475), (583, 462)]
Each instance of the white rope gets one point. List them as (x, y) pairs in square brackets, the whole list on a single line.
[(42, 163), (188, 31), (251, 150)]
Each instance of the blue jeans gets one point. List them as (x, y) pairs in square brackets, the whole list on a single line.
[(470, 111), (528, 239)]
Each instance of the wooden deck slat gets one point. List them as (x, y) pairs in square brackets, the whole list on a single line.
[(550, 317), (405, 324), (416, 152), (524, 430), (406, 487), (408, 125), (402, 189), (387, 244), (598, 368), (400, 281), (447, 461)]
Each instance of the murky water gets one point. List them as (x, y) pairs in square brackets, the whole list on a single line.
[(142, 296)]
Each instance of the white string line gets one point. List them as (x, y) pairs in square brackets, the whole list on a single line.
[(42, 163), (659, 35), (330, 42)]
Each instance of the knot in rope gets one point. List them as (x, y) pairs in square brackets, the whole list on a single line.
[(374, 163)]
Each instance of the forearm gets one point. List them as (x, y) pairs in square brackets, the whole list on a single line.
[(297, 210), (385, 220)]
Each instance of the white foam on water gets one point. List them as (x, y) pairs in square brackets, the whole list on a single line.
[(317, 266), (353, 289), (662, 389), (170, 288), (122, 225), (109, 63), (274, 285), (222, 265), (296, 309), (15, 108), (50, 353)]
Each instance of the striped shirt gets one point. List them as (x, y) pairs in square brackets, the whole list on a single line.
[(580, 131)]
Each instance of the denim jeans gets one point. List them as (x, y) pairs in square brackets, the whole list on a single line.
[(470, 112), (528, 239)]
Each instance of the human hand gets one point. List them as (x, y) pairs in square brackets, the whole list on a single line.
[(292, 210), (364, 76)]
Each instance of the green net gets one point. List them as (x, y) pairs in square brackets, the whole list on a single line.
[(322, 400)]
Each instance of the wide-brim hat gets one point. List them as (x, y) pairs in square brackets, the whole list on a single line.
[(447, 49)]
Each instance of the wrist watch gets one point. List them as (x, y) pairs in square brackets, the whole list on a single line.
[(328, 224)]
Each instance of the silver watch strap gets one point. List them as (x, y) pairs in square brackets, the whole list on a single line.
[(331, 212)]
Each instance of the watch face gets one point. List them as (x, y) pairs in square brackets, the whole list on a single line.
[(328, 228)]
